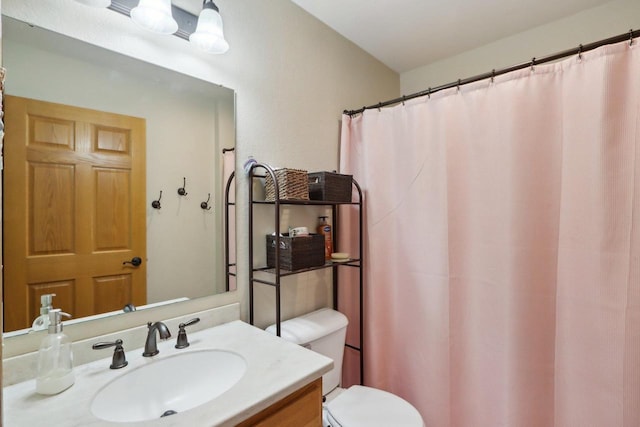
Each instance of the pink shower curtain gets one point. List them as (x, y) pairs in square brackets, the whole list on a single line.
[(503, 246)]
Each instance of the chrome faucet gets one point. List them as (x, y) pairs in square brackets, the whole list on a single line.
[(151, 346)]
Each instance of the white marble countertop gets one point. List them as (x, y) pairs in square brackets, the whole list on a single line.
[(275, 369)]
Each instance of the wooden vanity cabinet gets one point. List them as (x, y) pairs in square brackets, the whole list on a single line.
[(302, 408)]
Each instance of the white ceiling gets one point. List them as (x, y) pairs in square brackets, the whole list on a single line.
[(406, 34)]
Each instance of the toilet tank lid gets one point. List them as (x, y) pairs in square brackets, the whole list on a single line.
[(312, 326)]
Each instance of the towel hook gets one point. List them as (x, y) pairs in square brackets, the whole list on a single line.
[(205, 205), (156, 203), (182, 191)]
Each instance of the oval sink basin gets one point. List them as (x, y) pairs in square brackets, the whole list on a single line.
[(169, 385)]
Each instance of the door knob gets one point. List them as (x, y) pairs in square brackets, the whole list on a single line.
[(135, 261)]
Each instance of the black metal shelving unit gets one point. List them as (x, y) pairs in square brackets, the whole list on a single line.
[(275, 274), (229, 267)]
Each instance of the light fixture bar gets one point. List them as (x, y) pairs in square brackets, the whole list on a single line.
[(186, 21)]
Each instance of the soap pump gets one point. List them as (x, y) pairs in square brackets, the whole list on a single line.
[(42, 322), (55, 359)]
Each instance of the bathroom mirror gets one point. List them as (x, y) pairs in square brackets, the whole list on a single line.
[(190, 129)]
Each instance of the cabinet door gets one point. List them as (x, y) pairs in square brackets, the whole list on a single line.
[(302, 408)]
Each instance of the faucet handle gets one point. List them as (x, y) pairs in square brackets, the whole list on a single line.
[(119, 359), (183, 342)]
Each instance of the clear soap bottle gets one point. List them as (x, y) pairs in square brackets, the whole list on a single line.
[(55, 358)]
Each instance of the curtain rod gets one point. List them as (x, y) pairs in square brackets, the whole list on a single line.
[(490, 75)]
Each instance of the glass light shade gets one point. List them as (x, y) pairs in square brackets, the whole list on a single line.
[(208, 35), (95, 3), (155, 15)]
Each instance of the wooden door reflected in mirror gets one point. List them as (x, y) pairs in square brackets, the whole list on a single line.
[(75, 180)]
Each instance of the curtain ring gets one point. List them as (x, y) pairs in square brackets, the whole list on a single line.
[(493, 75), (458, 86), (403, 99), (379, 107), (533, 62), (429, 93), (580, 52), (631, 37)]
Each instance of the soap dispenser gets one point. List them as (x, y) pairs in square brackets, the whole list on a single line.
[(55, 359), (42, 322)]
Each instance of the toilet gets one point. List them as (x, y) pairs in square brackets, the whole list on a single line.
[(324, 331)]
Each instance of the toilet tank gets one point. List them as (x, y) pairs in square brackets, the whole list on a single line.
[(323, 331)]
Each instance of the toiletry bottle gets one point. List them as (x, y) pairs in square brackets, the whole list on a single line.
[(42, 321), (55, 360), (325, 229)]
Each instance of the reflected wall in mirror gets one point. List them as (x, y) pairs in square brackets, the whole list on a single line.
[(188, 123)]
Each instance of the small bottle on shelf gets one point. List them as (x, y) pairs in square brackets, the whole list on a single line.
[(325, 229)]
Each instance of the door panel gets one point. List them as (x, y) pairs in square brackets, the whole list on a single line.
[(114, 140), (74, 188), (111, 292), (112, 201), (55, 133), (51, 189)]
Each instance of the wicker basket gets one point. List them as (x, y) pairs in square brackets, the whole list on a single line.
[(292, 183), (330, 187), (296, 252)]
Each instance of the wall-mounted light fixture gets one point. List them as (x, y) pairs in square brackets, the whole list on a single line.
[(209, 35), (161, 16), (155, 15)]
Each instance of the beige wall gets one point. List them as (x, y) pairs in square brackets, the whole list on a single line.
[(293, 77), (585, 27)]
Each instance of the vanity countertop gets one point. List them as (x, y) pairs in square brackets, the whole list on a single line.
[(275, 369)]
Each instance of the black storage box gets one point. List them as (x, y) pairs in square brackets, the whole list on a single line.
[(330, 187), (296, 252)]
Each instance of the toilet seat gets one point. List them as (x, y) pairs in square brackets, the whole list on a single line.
[(360, 406)]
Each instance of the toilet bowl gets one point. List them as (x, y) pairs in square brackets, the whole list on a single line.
[(324, 331)]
